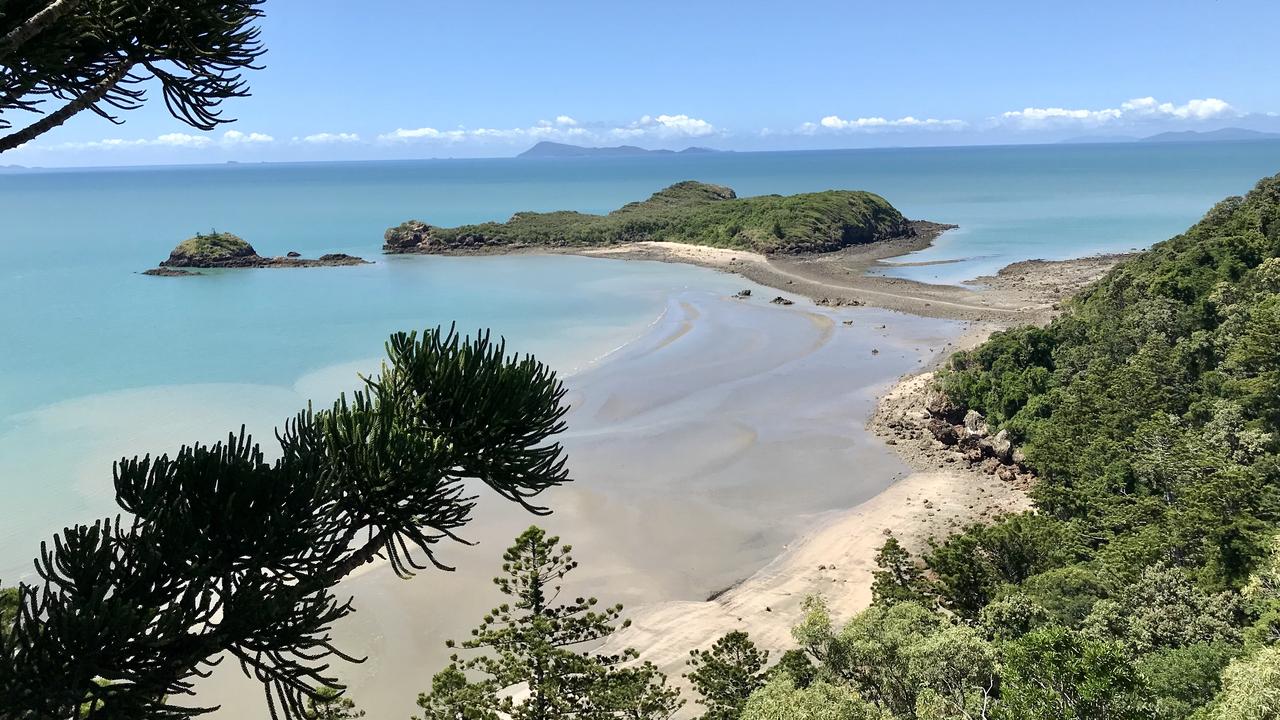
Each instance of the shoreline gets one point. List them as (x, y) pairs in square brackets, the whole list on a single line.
[(836, 557), (718, 436), (1027, 291), (686, 430)]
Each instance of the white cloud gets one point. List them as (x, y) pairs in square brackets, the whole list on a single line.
[(674, 126), (326, 138), (1135, 110), (173, 140), (235, 137), (230, 138), (839, 124), (564, 129), (414, 134)]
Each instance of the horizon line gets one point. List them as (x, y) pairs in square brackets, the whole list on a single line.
[(1120, 140)]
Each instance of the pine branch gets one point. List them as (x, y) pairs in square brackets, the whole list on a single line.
[(52, 13), (66, 112)]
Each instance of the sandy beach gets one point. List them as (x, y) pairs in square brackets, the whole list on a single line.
[(1024, 292), (835, 559), (699, 452), (739, 450)]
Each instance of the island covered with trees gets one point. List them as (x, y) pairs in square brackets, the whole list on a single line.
[(690, 212)]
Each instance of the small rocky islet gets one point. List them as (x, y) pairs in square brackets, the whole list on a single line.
[(217, 250)]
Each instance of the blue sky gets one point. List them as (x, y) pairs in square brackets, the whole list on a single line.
[(420, 78)]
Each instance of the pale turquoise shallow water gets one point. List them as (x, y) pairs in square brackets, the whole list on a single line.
[(96, 360)]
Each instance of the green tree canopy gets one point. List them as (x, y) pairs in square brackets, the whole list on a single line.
[(782, 700), (727, 674), (533, 655), (1058, 674), (1251, 688)]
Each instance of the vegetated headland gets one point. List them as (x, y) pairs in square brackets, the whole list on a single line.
[(821, 245)]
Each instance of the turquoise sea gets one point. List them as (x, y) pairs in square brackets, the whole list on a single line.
[(97, 361)]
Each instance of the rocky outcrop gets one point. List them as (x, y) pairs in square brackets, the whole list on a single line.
[(782, 301), (168, 272), (930, 429), (413, 236), (224, 250)]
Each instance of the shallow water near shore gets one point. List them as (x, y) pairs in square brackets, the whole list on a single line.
[(717, 433), (698, 452)]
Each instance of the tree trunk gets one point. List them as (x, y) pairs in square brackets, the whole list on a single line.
[(33, 26), (61, 115)]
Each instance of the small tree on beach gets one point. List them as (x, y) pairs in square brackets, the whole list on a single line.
[(530, 659), (727, 674), (227, 554), (329, 705), (898, 578), (99, 55)]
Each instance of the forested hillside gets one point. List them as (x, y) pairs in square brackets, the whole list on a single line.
[(1149, 409), (1147, 582)]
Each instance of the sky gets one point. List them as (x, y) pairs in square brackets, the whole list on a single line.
[(383, 79)]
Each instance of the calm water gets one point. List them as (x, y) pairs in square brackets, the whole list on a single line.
[(96, 360)]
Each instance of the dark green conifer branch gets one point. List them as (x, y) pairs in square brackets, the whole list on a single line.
[(98, 55), (226, 554)]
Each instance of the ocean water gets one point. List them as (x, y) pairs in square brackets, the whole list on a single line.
[(97, 361)]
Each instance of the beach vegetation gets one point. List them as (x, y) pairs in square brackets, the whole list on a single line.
[(725, 675), (328, 704), (214, 246), (532, 657)]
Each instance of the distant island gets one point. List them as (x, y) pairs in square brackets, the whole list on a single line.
[(1223, 135), (688, 212), (561, 150), (1184, 136), (225, 250)]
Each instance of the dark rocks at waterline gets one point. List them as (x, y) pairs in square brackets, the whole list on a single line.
[(782, 301), (743, 294), (838, 302), (219, 250), (168, 272)]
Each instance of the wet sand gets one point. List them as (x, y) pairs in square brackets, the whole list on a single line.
[(700, 451), (1025, 292), (725, 466)]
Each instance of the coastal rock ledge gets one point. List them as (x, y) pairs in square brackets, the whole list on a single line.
[(224, 250)]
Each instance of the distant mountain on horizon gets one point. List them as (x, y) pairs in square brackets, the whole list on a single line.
[(1223, 135), (548, 149), (1232, 134)]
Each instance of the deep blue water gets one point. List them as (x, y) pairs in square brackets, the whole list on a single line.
[(96, 359)]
